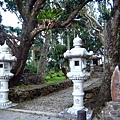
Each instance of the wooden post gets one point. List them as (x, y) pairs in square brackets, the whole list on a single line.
[(81, 115)]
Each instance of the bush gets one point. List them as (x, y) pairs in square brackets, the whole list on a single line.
[(30, 66)]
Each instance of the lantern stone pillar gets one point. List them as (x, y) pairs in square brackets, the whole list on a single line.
[(77, 57), (6, 60)]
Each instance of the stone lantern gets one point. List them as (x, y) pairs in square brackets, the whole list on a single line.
[(77, 60), (6, 60)]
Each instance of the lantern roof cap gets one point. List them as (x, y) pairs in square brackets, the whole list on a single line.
[(5, 54), (77, 51), (77, 41), (4, 48)]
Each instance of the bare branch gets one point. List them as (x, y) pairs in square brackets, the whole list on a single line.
[(10, 35), (47, 24), (37, 30), (94, 20), (91, 33), (99, 29)]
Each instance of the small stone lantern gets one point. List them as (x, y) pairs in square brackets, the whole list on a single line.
[(77, 58), (6, 60)]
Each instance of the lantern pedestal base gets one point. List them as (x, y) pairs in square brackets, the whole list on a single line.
[(6, 105), (71, 114), (71, 110)]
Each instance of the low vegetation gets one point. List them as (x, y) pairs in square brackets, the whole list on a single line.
[(55, 77)]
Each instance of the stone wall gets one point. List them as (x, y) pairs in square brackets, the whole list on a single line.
[(32, 91)]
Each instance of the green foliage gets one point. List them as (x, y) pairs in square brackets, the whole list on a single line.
[(71, 5), (59, 50), (104, 10), (106, 15), (16, 30), (54, 77), (10, 5), (30, 66), (51, 10), (57, 57), (49, 14)]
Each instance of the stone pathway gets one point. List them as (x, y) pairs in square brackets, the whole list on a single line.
[(45, 107), (54, 102)]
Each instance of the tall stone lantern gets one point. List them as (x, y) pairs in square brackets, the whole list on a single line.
[(77, 60), (6, 60)]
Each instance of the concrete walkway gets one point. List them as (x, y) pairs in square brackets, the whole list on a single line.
[(14, 114)]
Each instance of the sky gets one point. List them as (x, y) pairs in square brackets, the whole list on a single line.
[(9, 19)]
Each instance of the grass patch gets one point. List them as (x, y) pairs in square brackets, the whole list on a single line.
[(21, 86), (54, 79)]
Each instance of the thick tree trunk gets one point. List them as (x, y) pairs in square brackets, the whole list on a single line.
[(20, 64), (112, 55)]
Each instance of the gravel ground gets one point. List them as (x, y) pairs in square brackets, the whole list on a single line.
[(54, 102)]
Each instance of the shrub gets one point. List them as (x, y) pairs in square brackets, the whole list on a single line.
[(30, 66)]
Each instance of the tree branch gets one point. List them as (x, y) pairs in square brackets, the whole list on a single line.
[(37, 6), (21, 9), (52, 23), (73, 14), (13, 47), (30, 4), (94, 20), (99, 29), (9, 34), (11, 40), (37, 30)]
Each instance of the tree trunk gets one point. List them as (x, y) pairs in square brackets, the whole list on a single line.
[(19, 65), (41, 71), (33, 58), (112, 55)]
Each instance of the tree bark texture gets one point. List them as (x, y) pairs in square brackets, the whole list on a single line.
[(41, 69), (112, 54)]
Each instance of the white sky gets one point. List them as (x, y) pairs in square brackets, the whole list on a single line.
[(9, 19)]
